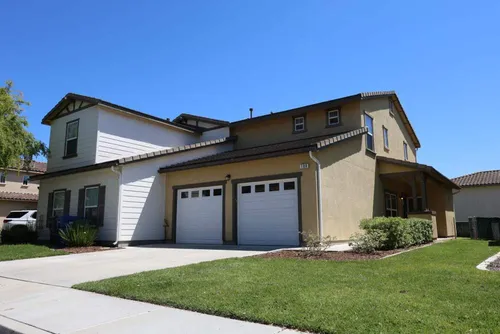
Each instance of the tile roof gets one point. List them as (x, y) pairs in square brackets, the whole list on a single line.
[(135, 158), (266, 151), (12, 196), (486, 178), (37, 166)]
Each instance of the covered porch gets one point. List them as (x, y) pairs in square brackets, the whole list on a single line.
[(420, 191)]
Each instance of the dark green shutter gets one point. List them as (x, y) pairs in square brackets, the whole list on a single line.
[(67, 199), (50, 205), (81, 202), (100, 206)]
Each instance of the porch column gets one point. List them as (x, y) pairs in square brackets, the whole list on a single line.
[(414, 192), (423, 183)]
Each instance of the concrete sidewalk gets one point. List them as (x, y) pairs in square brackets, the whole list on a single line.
[(27, 307)]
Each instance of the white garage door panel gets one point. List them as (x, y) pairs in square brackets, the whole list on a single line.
[(269, 217), (199, 219)]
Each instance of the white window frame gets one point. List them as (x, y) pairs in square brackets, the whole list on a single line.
[(385, 131), (390, 208), (302, 122), (405, 151), (335, 118), (370, 135), (85, 206), (77, 122), (54, 209)]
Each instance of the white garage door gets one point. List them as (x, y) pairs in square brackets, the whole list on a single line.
[(268, 213), (199, 215)]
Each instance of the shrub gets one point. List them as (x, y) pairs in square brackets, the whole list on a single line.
[(79, 234), (420, 230), (367, 242), (314, 244), (19, 234), (385, 233)]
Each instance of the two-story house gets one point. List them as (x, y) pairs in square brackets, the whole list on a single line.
[(319, 168), (17, 190), (262, 180), (104, 161)]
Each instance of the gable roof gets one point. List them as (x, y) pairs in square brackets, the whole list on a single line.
[(485, 178), (421, 167), (337, 102), (199, 118), (135, 158), (92, 101), (265, 151)]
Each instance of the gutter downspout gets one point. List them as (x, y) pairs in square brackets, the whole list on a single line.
[(118, 213), (318, 190)]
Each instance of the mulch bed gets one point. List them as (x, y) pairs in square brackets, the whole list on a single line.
[(495, 265), (333, 256), (91, 249)]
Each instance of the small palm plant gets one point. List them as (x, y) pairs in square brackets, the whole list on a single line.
[(79, 234)]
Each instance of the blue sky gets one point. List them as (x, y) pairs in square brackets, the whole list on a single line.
[(218, 58)]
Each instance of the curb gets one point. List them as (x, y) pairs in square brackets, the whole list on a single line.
[(484, 265)]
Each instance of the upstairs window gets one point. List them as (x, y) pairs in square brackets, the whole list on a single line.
[(370, 145), (2, 177), (299, 124), (386, 137), (405, 151), (26, 180), (71, 139), (333, 117)]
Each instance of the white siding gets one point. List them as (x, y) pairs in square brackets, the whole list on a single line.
[(215, 134), (74, 183), (143, 194), (87, 139), (477, 201), (120, 135)]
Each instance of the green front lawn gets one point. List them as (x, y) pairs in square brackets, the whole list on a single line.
[(433, 289), (26, 251)]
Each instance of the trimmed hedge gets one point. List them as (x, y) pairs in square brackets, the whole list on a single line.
[(385, 233)]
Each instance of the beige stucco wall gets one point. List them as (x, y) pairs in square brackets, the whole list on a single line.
[(351, 190), (379, 110), (248, 169), (8, 206), (14, 183), (440, 199), (280, 129)]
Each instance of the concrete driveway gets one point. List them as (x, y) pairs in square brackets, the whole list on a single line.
[(68, 270), (35, 296)]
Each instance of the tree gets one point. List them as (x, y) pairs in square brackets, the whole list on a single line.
[(18, 146)]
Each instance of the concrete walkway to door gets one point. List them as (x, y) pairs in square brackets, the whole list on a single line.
[(35, 296)]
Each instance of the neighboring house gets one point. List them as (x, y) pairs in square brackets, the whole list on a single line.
[(17, 190), (319, 168), (479, 196)]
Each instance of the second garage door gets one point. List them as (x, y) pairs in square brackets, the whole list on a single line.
[(268, 213), (199, 215)]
